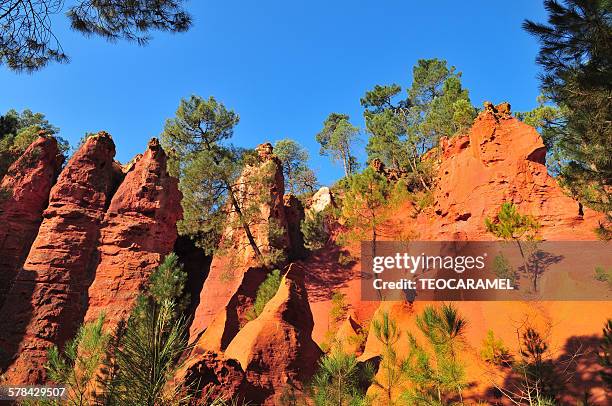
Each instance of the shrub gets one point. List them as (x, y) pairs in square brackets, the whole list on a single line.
[(314, 230), (493, 350), (77, 365), (504, 270), (265, 292), (603, 275)]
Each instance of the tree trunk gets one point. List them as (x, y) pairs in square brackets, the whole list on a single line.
[(245, 226)]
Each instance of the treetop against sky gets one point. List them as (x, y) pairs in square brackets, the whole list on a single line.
[(282, 66)]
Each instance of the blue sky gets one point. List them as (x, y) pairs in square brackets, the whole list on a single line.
[(282, 65)]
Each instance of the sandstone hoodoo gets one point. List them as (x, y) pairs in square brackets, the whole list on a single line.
[(262, 184), (138, 230), (24, 194), (45, 305), (270, 355)]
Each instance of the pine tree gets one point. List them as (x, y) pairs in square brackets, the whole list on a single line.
[(605, 354), (28, 43), (77, 365), (510, 225), (208, 167), (386, 331), (337, 380), (576, 56), (145, 353), (337, 138), (299, 178)]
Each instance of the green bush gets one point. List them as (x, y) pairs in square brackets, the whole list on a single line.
[(314, 230), (265, 292), (504, 270), (493, 350)]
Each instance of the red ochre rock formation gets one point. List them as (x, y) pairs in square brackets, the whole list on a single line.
[(138, 230), (294, 211), (226, 271), (24, 194), (45, 305), (91, 228), (274, 352), (500, 160)]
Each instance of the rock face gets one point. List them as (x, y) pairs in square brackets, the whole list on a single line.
[(46, 302), (500, 160), (138, 230), (269, 355), (24, 194), (321, 199), (263, 184)]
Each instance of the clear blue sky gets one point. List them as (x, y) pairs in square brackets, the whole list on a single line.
[(282, 65)]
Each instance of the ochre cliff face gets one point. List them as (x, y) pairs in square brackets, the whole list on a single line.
[(267, 356), (500, 160), (138, 230), (45, 305), (228, 268), (97, 228), (24, 194)]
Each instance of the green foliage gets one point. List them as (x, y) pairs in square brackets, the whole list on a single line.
[(576, 56), (503, 269), (339, 307), (314, 230), (603, 275), (265, 292), (32, 48), (208, 168), (337, 139), (168, 281), (544, 118), (18, 131), (494, 351), (605, 355), (436, 380), (299, 178), (144, 354), (509, 224), (451, 112), (402, 129), (337, 381), (386, 331), (365, 203), (76, 366), (147, 357)]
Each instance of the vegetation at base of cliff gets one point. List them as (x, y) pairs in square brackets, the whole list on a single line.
[(510, 225), (314, 229), (18, 131), (265, 292), (77, 365), (576, 57), (136, 363), (494, 351), (341, 380)]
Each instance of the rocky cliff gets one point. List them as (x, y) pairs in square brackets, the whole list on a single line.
[(24, 194), (269, 357), (50, 294), (500, 160), (261, 185), (138, 230)]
